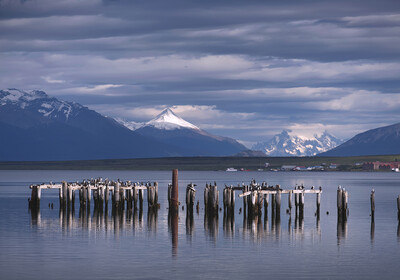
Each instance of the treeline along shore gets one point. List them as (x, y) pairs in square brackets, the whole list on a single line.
[(208, 163)]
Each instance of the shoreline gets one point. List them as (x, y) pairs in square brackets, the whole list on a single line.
[(353, 164)]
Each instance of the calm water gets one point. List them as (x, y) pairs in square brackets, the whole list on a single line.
[(143, 245)]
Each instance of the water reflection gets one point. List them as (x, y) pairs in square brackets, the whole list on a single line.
[(253, 227), (398, 231), (189, 223), (341, 228), (173, 219), (211, 225)]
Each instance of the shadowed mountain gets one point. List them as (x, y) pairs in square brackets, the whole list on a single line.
[(379, 141), (38, 127)]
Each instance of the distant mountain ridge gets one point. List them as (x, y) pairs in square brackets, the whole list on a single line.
[(288, 144), (379, 141), (36, 126)]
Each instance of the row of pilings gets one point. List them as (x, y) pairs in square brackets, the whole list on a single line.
[(122, 194), (131, 195)]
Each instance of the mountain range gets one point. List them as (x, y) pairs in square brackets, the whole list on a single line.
[(379, 141), (36, 126), (288, 144)]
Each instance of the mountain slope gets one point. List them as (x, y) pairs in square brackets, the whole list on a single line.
[(187, 138), (287, 144), (38, 127), (378, 141)]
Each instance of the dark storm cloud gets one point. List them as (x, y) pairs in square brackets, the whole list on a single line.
[(246, 69)]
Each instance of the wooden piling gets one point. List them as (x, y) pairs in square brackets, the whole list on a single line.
[(190, 196), (64, 194), (278, 201), (290, 201), (339, 200), (89, 194), (156, 192), (211, 196), (232, 199), (266, 201), (135, 196), (122, 197), (301, 202), (116, 195), (318, 202), (174, 203), (140, 193)]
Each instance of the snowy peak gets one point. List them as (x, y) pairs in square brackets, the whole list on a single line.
[(14, 95), (288, 144), (168, 120), (129, 124), (39, 102)]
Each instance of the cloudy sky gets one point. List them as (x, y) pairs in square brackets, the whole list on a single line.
[(244, 69)]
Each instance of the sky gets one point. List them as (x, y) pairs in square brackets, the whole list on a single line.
[(242, 69)]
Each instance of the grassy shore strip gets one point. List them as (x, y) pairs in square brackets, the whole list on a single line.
[(195, 163)]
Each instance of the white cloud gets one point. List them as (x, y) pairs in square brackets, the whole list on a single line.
[(52, 81)]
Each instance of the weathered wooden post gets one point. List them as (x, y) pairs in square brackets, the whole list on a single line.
[(34, 201), (135, 196), (140, 198), (211, 196), (301, 203), (174, 203), (190, 196), (89, 194), (245, 198), (69, 196), (232, 199), (373, 204), (122, 198), (206, 194), (129, 197), (278, 199), (156, 192), (344, 202), (64, 186), (73, 199), (266, 201), (85, 194), (106, 195), (318, 201), (116, 195), (290, 201), (60, 196), (339, 200)]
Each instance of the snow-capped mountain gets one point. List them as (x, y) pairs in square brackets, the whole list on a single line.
[(288, 144), (165, 120), (169, 121), (35, 126), (37, 101), (129, 124), (189, 139)]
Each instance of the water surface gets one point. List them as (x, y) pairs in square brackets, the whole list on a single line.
[(147, 245)]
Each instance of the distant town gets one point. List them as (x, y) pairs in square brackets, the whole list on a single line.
[(358, 166)]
